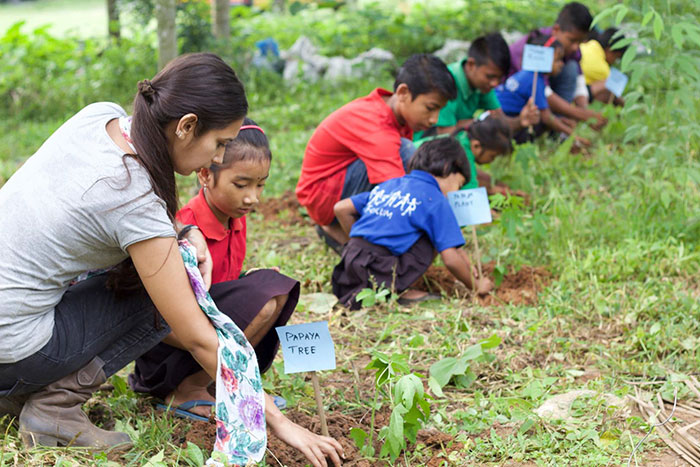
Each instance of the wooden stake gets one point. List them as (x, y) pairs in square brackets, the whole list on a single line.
[(534, 90), (476, 251), (611, 98), (319, 403)]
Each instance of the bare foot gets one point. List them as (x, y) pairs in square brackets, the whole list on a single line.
[(194, 387), (412, 294)]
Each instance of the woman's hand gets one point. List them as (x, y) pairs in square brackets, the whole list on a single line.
[(314, 447), (204, 261)]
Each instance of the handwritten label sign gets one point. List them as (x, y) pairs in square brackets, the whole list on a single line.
[(538, 58), (307, 347), (471, 207), (616, 82)]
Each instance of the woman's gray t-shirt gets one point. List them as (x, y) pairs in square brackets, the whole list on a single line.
[(71, 208)]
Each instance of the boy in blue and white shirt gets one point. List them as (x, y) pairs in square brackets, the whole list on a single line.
[(396, 228)]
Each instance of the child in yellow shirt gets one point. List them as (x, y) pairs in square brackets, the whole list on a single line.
[(597, 55)]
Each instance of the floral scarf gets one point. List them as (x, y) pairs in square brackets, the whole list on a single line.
[(240, 400)]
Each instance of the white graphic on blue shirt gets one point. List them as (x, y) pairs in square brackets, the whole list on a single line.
[(385, 204), (512, 84)]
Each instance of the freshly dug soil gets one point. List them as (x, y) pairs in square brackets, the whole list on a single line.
[(518, 287), (285, 210)]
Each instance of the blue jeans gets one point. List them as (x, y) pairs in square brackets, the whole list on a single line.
[(564, 84), (356, 179), (89, 321)]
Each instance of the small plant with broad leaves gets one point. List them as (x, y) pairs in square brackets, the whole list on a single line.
[(410, 406), (458, 369)]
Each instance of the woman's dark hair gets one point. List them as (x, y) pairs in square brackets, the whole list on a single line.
[(492, 133), (199, 83), (251, 143), (491, 47), (441, 157), (425, 73)]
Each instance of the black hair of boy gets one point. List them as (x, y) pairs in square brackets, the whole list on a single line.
[(574, 16), (493, 134), (425, 73), (491, 47), (250, 144), (441, 157), (611, 36)]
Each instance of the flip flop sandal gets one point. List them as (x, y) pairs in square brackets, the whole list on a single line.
[(183, 410), (280, 402), (332, 243), (411, 301)]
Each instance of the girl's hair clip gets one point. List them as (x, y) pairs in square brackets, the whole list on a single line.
[(549, 42), (252, 127)]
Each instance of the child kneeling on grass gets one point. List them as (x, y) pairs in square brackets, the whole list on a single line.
[(597, 56), (517, 90), (483, 141), (396, 228), (257, 301)]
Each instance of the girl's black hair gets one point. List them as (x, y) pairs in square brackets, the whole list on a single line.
[(609, 38), (250, 143), (535, 37), (492, 133), (441, 157), (199, 83)]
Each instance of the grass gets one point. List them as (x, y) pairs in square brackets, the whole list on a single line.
[(83, 18), (617, 226)]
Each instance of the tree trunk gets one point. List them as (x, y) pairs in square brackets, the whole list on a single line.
[(167, 37), (221, 19), (113, 26)]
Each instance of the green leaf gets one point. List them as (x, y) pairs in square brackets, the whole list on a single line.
[(194, 453), (677, 35), (359, 436), (443, 370), (692, 31), (367, 297), (120, 387), (435, 387), (647, 17), (658, 26), (406, 389), (655, 328), (603, 14), (627, 58), (472, 352), (465, 380), (621, 14), (526, 425), (491, 342)]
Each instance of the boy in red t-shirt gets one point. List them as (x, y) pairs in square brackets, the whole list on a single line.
[(368, 141)]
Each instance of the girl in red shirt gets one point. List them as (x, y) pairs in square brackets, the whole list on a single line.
[(257, 302)]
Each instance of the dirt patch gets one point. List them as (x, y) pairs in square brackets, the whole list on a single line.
[(285, 209), (517, 288)]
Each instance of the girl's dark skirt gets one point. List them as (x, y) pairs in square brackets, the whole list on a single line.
[(364, 264), (160, 370)]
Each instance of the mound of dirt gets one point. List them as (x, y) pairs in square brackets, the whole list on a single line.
[(285, 209), (518, 287)]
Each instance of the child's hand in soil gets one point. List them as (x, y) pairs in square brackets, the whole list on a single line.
[(484, 285), (315, 448)]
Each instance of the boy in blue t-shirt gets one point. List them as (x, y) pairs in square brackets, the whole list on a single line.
[(396, 228), (514, 94)]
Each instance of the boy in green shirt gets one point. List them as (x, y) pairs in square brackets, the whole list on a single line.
[(476, 77)]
